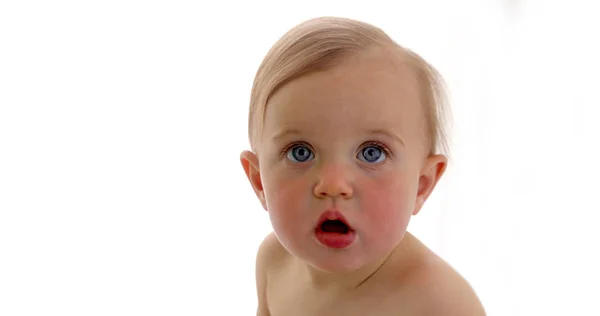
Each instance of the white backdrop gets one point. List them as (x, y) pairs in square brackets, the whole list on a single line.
[(121, 124)]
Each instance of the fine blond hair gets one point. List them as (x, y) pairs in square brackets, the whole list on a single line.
[(321, 43)]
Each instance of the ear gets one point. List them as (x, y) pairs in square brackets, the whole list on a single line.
[(431, 172), (249, 162)]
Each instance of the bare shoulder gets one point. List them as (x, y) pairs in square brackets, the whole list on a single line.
[(445, 292), (438, 289), (270, 254)]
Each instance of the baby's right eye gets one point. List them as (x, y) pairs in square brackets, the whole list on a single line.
[(299, 153)]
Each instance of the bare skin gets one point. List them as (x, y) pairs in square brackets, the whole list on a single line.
[(350, 139), (412, 281)]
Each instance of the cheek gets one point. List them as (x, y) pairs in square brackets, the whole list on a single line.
[(287, 203), (285, 196), (389, 202)]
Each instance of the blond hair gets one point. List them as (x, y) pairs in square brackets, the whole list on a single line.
[(319, 44)]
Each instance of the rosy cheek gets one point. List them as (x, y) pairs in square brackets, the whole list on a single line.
[(284, 193), (386, 201)]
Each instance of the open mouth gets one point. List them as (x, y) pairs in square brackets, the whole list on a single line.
[(334, 226), (332, 221), (333, 231)]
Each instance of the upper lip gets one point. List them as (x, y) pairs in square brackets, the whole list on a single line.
[(333, 214)]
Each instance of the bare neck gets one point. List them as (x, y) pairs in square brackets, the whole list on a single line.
[(355, 279)]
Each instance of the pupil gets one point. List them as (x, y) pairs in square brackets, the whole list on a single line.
[(301, 153), (372, 153)]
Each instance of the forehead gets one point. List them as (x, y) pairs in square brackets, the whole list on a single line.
[(364, 92)]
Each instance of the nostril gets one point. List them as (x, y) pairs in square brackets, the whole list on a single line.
[(332, 189)]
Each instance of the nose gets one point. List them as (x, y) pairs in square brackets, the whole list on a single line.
[(333, 181)]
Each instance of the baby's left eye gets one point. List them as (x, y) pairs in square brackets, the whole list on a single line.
[(372, 154)]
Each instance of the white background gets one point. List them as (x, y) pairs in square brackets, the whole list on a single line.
[(121, 124)]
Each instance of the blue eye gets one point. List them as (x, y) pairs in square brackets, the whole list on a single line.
[(299, 153), (372, 154)]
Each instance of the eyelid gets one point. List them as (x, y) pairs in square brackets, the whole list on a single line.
[(294, 144), (377, 144)]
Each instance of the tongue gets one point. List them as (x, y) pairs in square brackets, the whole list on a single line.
[(334, 227)]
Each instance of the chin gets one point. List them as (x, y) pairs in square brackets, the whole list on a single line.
[(336, 268), (335, 263)]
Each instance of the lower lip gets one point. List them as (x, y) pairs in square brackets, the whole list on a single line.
[(335, 240)]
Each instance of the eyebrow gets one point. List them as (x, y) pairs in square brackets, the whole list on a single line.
[(287, 132), (284, 133), (387, 134)]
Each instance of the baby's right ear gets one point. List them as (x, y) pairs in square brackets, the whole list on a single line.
[(251, 168)]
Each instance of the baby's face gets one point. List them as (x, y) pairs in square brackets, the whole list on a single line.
[(345, 145)]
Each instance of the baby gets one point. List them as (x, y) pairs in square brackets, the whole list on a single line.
[(347, 136)]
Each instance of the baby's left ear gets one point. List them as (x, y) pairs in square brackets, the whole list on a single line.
[(431, 172)]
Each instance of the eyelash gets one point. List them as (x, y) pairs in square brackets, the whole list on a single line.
[(379, 145), (292, 145)]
